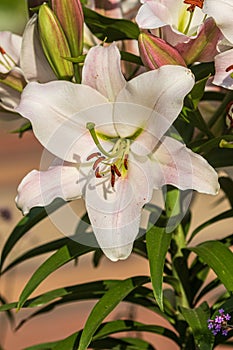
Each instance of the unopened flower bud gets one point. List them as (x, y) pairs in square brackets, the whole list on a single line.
[(156, 52), (70, 15), (54, 43)]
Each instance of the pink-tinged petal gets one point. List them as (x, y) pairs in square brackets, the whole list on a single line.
[(32, 59), (40, 188), (177, 165), (11, 44), (115, 212), (53, 110), (102, 71), (153, 15), (224, 70), (202, 47), (163, 90), (222, 12)]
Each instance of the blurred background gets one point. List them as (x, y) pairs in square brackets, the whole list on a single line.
[(18, 156)]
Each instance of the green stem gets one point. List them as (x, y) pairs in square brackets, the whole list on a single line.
[(77, 73), (173, 210)]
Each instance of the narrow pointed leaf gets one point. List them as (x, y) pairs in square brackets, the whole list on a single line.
[(110, 29), (35, 215), (42, 249), (219, 258), (106, 304), (58, 259), (157, 242), (197, 320), (225, 215)]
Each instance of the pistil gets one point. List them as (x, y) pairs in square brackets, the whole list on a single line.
[(114, 162)]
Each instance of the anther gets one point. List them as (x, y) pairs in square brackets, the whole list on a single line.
[(116, 170), (126, 162), (2, 51), (228, 69), (113, 177), (97, 173), (94, 155), (97, 162)]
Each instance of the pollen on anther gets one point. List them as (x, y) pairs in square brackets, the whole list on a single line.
[(97, 173), (2, 51), (113, 178), (228, 69), (97, 162), (116, 170), (94, 155), (126, 162)]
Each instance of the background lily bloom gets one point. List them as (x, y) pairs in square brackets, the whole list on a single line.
[(21, 60), (111, 135), (198, 31), (224, 69)]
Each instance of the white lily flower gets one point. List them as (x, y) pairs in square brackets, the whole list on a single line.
[(224, 69), (180, 19), (21, 60), (110, 134)]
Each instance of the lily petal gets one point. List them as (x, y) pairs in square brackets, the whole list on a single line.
[(102, 71), (223, 76), (32, 58), (221, 11), (163, 92), (40, 188), (52, 109), (11, 44), (115, 213), (177, 165)]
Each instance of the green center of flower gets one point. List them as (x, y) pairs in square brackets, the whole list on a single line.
[(113, 162), (6, 60), (186, 15)]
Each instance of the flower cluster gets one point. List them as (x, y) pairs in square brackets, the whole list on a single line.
[(219, 324)]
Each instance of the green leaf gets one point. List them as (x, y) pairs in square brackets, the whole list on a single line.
[(114, 327), (35, 215), (197, 320), (203, 70), (219, 258), (210, 145), (129, 57), (220, 157), (58, 259), (132, 326), (157, 242), (106, 304), (225, 215), (110, 29), (226, 184), (43, 249), (197, 91)]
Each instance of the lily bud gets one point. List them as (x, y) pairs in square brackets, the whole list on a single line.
[(70, 15), (54, 43), (156, 52)]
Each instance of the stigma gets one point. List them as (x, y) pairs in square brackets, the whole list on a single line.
[(193, 4)]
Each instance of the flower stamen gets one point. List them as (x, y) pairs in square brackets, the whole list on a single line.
[(114, 162), (7, 61)]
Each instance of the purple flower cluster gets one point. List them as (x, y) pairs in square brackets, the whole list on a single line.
[(219, 324)]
